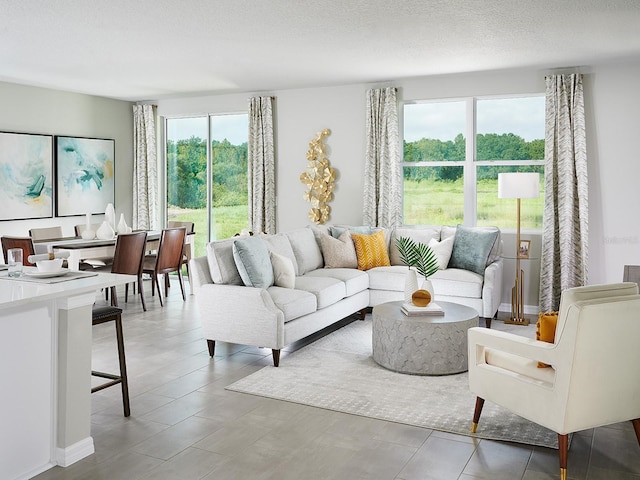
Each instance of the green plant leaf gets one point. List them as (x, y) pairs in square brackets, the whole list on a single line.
[(408, 251), (427, 263)]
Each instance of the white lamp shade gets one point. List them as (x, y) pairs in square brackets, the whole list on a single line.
[(519, 185)]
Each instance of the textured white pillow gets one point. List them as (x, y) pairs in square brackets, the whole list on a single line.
[(442, 250), (284, 275), (338, 252)]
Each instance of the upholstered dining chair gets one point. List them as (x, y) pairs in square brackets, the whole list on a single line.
[(46, 233), (594, 374), (25, 243), (186, 254), (128, 259), (167, 260)]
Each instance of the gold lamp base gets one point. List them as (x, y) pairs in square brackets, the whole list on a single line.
[(517, 321), (517, 301)]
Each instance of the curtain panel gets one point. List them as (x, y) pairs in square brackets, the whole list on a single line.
[(261, 166), (565, 248), (383, 163), (145, 173)]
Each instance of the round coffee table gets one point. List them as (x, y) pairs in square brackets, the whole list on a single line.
[(422, 345)]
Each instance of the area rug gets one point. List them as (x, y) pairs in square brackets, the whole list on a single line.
[(338, 373)]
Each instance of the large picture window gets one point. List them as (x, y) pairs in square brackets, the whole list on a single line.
[(207, 174), (454, 150)]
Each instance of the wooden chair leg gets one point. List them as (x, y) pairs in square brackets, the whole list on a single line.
[(636, 427), (476, 414), (184, 298), (166, 285), (155, 279), (189, 277), (563, 451), (126, 292), (211, 345), (276, 357), (141, 290), (123, 367), (114, 296)]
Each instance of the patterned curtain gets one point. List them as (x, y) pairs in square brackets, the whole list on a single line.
[(565, 251), (383, 164), (261, 166), (145, 178)]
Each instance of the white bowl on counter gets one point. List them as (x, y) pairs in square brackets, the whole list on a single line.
[(49, 265)]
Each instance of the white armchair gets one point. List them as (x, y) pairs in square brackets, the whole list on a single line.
[(595, 375)]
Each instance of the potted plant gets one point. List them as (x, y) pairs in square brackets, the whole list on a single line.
[(420, 256)]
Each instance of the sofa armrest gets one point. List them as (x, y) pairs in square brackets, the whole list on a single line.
[(492, 288), (239, 314), (199, 272)]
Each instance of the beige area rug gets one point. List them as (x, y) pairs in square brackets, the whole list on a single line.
[(338, 373)]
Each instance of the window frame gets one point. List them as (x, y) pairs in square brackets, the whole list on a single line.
[(469, 164)]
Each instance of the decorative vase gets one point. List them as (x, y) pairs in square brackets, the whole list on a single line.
[(110, 216), (428, 286), (410, 285), (105, 232), (122, 226), (87, 232)]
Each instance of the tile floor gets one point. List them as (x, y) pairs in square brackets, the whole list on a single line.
[(185, 426)]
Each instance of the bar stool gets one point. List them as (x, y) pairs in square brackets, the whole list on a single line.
[(103, 315)]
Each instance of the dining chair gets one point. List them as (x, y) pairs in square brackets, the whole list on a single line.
[(128, 259), (25, 243), (186, 254), (586, 376), (46, 233), (167, 260)]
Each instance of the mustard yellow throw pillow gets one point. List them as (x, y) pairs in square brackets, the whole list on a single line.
[(546, 330), (371, 250)]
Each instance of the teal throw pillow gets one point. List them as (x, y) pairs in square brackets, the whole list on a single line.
[(471, 247), (253, 262)]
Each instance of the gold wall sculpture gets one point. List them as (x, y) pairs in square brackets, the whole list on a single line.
[(319, 179)]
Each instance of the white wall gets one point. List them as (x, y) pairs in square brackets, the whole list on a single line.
[(27, 109)]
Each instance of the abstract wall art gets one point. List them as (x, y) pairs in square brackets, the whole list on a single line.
[(26, 166), (85, 181)]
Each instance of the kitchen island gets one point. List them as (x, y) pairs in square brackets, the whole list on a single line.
[(45, 341)]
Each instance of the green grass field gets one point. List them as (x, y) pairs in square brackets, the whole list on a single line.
[(426, 202)]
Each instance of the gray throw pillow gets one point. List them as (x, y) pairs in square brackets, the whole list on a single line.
[(253, 262), (471, 247), (336, 231)]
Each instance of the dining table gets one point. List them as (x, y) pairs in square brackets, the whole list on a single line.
[(80, 249)]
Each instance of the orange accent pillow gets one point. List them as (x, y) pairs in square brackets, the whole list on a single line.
[(371, 250), (546, 330)]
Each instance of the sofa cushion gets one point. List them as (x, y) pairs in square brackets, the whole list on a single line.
[(337, 230), (371, 250), (293, 303), (457, 282), (253, 261), (390, 278), (306, 249), (284, 275), (280, 244), (417, 234), (442, 251), (471, 248), (354, 280), (326, 290), (222, 266), (338, 252)]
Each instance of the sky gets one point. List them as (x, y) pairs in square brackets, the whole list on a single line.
[(233, 127), (523, 116)]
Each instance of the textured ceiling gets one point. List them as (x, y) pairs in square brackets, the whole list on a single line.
[(150, 49)]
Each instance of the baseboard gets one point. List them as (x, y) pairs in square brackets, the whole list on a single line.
[(73, 453)]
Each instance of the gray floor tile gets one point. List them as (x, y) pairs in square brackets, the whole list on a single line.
[(438, 459)]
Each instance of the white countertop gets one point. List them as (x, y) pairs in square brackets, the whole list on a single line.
[(14, 292)]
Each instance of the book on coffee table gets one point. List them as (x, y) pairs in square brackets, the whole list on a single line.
[(411, 310)]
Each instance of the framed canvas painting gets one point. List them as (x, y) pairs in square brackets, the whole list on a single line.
[(85, 169), (26, 180)]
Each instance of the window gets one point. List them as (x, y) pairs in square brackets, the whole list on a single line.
[(451, 175), (207, 174)]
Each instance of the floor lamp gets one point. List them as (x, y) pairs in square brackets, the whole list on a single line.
[(518, 185)]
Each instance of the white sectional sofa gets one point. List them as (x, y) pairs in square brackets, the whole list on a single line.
[(272, 290)]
